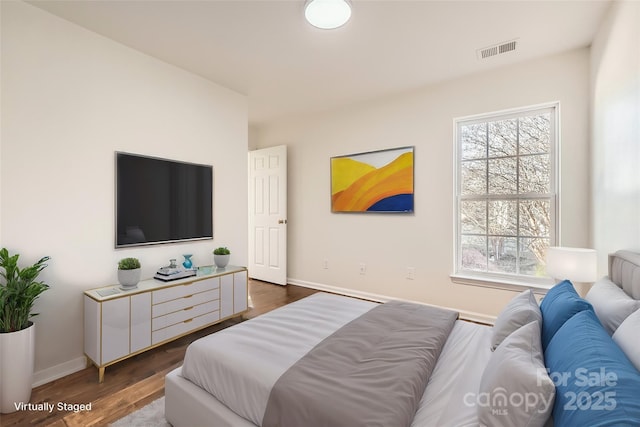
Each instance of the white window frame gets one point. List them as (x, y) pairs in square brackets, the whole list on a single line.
[(507, 280)]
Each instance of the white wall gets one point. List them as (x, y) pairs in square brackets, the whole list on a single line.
[(388, 244), (70, 98), (615, 92)]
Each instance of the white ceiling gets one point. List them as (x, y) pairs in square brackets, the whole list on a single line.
[(265, 50)]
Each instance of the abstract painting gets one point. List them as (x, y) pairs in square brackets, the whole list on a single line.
[(377, 181)]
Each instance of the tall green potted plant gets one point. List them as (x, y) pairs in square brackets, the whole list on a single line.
[(19, 290)]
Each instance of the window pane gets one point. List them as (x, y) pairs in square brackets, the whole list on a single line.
[(535, 134), (503, 218), (532, 256), (503, 138), (505, 196), (502, 176), (502, 254), (474, 177), (474, 141), (535, 174), (474, 253), (535, 218), (473, 217)]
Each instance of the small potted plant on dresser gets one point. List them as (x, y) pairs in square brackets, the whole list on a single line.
[(18, 291), (129, 273), (221, 257)]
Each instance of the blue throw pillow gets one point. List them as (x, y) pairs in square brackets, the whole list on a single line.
[(559, 305), (596, 384)]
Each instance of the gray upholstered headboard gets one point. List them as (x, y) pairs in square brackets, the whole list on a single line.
[(624, 271)]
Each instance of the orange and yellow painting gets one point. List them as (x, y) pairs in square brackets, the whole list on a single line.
[(378, 181)]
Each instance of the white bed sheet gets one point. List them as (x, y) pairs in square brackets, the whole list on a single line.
[(240, 365), (449, 399)]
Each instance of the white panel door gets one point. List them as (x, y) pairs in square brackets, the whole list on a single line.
[(268, 214)]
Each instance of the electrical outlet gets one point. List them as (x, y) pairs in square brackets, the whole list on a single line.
[(411, 273), (363, 268), (325, 264)]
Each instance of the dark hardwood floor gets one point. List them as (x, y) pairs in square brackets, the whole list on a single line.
[(135, 382)]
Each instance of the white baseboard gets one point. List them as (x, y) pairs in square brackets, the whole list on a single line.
[(53, 373), (464, 314)]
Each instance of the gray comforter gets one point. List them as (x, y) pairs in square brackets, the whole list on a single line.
[(371, 372)]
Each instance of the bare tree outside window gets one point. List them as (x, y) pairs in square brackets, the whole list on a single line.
[(506, 192)]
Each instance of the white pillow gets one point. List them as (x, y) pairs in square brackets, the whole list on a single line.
[(626, 336), (522, 309), (611, 303), (515, 389)]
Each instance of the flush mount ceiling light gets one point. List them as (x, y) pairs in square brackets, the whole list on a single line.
[(327, 14)]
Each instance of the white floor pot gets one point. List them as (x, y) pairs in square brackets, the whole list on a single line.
[(17, 353)]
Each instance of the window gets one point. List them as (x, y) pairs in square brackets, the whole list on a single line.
[(506, 194)]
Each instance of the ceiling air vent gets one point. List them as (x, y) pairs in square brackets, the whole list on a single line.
[(497, 49)]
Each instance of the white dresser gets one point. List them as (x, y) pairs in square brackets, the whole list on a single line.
[(119, 324)]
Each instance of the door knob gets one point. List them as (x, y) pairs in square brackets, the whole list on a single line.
[(282, 221)]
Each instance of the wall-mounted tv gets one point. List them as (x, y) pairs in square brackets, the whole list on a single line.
[(162, 201)]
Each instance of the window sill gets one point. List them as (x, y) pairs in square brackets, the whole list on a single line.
[(540, 286)]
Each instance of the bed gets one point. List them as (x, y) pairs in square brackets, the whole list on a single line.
[(242, 376)]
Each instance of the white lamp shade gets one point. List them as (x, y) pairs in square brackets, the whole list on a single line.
[(327, 14), (575, 264)]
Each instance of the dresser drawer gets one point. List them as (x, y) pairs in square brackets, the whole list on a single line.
[(184, 302), (184, 327), (180, 291), (185, 314)]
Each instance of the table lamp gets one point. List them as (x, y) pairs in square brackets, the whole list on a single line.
[(578, 265)]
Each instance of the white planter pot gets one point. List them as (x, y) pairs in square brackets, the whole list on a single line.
[(17, 355), (221, 260), (129, 278)]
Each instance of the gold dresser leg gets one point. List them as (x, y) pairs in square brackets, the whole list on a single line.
[(101, 375)]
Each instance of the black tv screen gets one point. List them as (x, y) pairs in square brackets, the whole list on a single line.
[(160, 200)]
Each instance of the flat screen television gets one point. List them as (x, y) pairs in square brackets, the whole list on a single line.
[(162, 201)]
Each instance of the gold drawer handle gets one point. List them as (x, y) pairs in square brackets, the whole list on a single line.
[(188, 296), (187, 321), (188, 308)]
